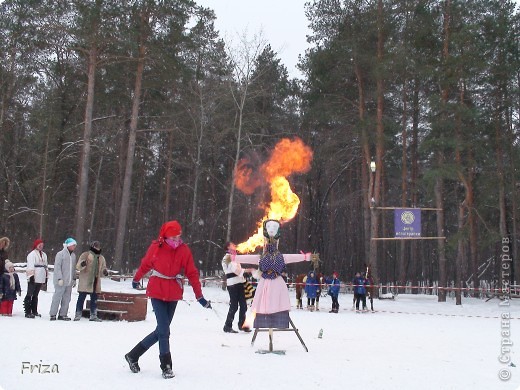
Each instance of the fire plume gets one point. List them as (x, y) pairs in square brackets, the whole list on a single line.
[(288, 157), (250, 320)]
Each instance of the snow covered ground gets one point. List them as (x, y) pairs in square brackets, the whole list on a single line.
[(412, 342)]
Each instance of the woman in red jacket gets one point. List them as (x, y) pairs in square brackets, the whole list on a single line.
[(170, 260)]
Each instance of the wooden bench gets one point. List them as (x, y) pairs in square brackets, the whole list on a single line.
[(113, 306)]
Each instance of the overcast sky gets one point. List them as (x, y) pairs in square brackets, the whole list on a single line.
[(282, 22)]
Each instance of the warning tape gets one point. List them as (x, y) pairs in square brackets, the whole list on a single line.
[(440, 314), (390, 312), (506, 290), (391, 286)]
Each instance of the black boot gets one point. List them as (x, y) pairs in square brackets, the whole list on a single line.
[(166, 365), (229, 329), (34, 306), (133, 356), (27, 304)]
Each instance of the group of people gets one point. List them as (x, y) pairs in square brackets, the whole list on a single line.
[(88, 269), (9, 281), (168, 261), (312, 285)]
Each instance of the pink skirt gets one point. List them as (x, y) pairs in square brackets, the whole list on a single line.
[(271, 296)]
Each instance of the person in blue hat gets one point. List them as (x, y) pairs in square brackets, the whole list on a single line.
[(64, 280)]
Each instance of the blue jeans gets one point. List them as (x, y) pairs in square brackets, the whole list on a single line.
[(164, 312), (81, 301)]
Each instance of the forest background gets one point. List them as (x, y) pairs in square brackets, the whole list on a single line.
[(116, 116)]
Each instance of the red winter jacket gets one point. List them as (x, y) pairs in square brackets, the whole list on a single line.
[(169, 262)]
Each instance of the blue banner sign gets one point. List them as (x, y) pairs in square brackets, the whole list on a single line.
[(407, 223)]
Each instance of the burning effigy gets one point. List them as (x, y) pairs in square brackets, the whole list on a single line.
[(287, 157), (271, 304)]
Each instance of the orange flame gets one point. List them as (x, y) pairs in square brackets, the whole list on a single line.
[(288, 156), (250, 320), (246, 179)]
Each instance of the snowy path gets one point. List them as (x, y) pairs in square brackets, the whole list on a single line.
[(410, 343)]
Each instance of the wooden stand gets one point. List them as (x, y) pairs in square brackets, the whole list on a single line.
[(271, 331)]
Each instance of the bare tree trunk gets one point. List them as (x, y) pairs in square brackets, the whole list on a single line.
[(243, 70), (84, 166), (501, 180), (366, 177), (168, 183), (8, 88), (460, 256), (461, 253), (414, 252), (235, 165), (127, 183), (94, 201), (404, 184), (470, 204), (198, 163), (44, 186), (439, 204), (372, 263), (439, 184), (10, 170), (514, 194)]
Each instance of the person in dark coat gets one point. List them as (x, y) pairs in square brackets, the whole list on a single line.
[(4, 245), (334, 286), (359, 290), (321, 281), (9, 288), (300, 287)]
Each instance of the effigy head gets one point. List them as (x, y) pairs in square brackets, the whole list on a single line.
[(271, 229)]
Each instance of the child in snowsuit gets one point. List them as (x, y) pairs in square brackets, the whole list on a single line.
[(321, 280), (9, 287), (311, 289), (334, 286), (300, 286)]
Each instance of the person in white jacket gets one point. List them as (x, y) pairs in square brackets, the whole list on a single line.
[(64, 280), (235, 286), (36, 276)]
